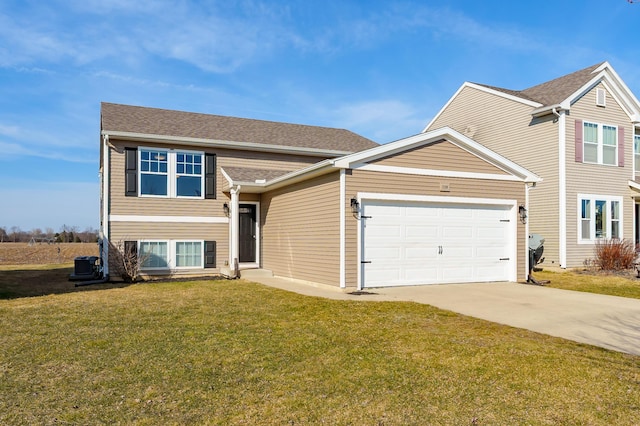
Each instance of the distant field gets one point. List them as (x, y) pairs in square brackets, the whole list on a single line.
[(39, 254)]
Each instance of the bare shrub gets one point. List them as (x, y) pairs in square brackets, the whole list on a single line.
[(615, 254), (127, 260)]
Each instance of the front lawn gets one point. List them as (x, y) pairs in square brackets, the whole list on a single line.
[(235, 352), (601, 283)]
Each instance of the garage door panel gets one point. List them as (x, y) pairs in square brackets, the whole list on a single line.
[(415, 231), (412, 243)]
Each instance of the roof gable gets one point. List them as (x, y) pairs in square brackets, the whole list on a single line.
[(142, 121), (430, 138)]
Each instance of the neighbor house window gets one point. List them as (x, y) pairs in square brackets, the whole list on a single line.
[(188, 174), (600, 143), (154, 254), (600, 217), (189, 254), (636, 152), (154, 172)]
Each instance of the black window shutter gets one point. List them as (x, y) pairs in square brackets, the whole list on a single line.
[(131, 172), (131, 248), (209, 254), (210, 176)]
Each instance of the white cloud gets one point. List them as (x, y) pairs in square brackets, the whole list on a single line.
[(381, 120)]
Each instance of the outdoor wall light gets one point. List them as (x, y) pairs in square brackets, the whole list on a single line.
[(522, 211), (355, 205), (225, 208)]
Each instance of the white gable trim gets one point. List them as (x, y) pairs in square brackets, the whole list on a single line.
[(422, 139), (615, 87), (483, 89)]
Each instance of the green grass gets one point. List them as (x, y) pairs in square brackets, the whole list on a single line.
[(234, 352), (602, 284)]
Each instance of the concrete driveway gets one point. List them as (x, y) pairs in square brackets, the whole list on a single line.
[(606, 321)]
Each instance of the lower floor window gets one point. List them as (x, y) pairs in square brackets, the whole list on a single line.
[(189, 254), (153, 254), (170, 254), (600, 217)]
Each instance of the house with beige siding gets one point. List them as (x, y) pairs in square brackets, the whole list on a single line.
[(205, 194), (581, 134)]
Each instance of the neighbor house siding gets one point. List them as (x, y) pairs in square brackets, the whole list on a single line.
[(397, 183), (596, 179), (507, 127), (301, 230), (442, 155)]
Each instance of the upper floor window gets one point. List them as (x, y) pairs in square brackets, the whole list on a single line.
[(188, 174), (154, 172), (171, 173), (600, 143)]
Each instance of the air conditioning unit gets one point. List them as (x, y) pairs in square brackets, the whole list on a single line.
[(85, 268)]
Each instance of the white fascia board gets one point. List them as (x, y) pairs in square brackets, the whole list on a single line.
[(215, 143), (483, 89), (448, 134)]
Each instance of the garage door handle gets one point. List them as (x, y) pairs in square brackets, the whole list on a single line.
[(365, 261), (504, 258)]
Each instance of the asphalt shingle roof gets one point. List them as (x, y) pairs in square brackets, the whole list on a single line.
[(153, 121), (245, 174), (555, 91)]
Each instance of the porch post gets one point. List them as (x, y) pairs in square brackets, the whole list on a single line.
[(234, 230)]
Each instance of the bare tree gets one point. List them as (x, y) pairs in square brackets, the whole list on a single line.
[(15, 233)]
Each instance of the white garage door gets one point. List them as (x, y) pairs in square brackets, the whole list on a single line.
[(417, 243)]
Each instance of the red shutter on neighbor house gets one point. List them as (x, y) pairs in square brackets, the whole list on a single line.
[(620, 146), (578, 141)]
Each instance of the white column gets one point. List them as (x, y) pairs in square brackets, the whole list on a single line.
[(104, 204), (234, 229)]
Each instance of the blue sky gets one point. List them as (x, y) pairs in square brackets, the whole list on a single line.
[(380, 68)]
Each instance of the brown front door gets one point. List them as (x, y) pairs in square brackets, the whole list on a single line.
[(247, 233)]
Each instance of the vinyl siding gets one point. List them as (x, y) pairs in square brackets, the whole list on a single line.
[(593, 178), (507, 127), (442, 155), (136, 231), (301, 230), (150, 206), (396, 183)]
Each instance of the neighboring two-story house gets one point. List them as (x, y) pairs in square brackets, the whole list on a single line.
[(580, 134), (205, 194)]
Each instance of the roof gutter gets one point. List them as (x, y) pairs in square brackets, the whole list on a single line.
[(550, 109), (216, 143)]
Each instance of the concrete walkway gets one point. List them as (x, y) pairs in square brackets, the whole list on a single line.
[(606, 321)]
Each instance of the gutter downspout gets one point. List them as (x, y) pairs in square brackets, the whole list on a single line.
[(105, 197), (562, 186)]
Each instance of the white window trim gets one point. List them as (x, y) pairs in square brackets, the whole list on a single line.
[(608, 199), (172, 175), (171, 255), (600, 140)]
